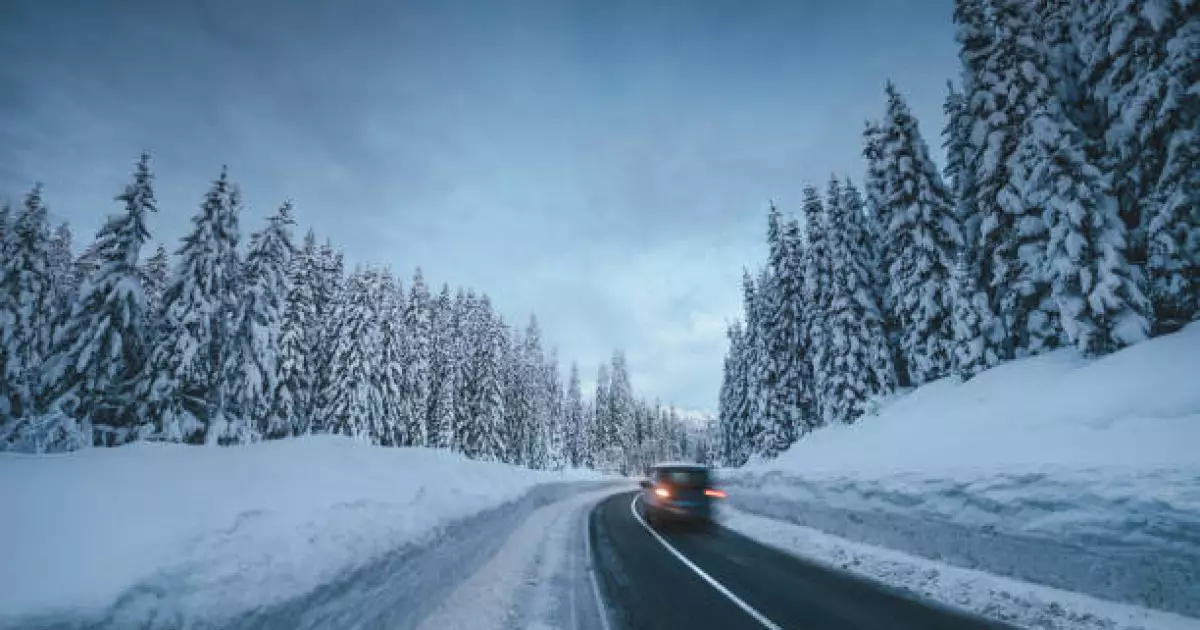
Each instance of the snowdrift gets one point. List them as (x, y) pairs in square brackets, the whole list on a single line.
[(1082, 475), (222, 530)]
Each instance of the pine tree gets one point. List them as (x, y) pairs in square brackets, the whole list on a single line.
[(783, 326), (875, 197), (483, 427), (183, 386), (859, 360), (104, 341), (971, 351), (1141, 65), (418, 329), (328, 274), (556, 429), (251, 373), (29, 294), (619, 420), (155, 273), (293, 392), (816, 298), (63, 276), (992, 137), (392, 425), (920, 237), (444, 372), (354, 400), (573, 419), (603, 430)]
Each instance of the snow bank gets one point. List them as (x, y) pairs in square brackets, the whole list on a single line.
[(1082, 475), (1015, 602), (224, 530)]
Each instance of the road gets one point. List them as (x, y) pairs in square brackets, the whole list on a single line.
[(733, 582)]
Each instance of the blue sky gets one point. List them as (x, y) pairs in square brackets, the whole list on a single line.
[(605, 164)]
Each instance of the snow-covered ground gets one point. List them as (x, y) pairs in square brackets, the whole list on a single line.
[(1074, 474), (1017, 602), (224, 530)]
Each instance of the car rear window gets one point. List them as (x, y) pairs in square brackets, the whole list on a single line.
[(684, 477)]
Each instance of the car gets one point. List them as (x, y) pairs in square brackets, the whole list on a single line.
[(679, 493)]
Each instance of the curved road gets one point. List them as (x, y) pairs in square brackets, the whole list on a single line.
[(683, 578)]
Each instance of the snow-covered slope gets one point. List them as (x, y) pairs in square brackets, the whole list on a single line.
[(1082, 475), (223, 529)]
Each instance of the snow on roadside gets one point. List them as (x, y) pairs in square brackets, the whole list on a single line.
[(228, 529), (1081, 475), (1020, 603)]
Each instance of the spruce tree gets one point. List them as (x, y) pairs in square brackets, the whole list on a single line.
[(392, 425), (155, 273), (971, 351), (816, 298), (992, 136), (616, 433), (444, 381), (786, 377), (293, 391), (105, 340), (29, 294), (63, 276), (183, 385), (859, 360), (353, 399), (328, 273), (920, 239), (483, 428), (252, 373), (573, 419), (418, 329)]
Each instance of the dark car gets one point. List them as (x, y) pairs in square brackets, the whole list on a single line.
[(679, 493)]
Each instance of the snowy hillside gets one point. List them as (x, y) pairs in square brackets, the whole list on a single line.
[(1078, 474), (227, 530)]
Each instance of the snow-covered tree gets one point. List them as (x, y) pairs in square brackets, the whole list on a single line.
[(328, 279), (418, 320), (859, 359), (354, 400), (919, 241), (155, 273), (619, 420), (28, 292), (1141, 64), (392, 427), (557, 456), (971, 353), (183, 386), (251, 371), (482, 428), (104, 341), (63, 276), (988, 68), (816, 266), (574, 421), (444, 372), (293, 391), (786, 374)]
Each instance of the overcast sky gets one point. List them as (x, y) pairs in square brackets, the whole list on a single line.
[(605, 164)]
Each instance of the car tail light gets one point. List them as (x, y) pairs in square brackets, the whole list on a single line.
[(714, 493), (662, 492)]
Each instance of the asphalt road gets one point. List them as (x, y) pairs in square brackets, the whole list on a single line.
[(733, 583)]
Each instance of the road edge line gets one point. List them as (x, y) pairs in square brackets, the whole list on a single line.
[(720, 588), (591, 565)]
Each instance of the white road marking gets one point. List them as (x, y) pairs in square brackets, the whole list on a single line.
[(591, 567), (759, 617)]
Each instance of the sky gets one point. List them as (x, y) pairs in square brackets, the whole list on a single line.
[(605, 164)]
